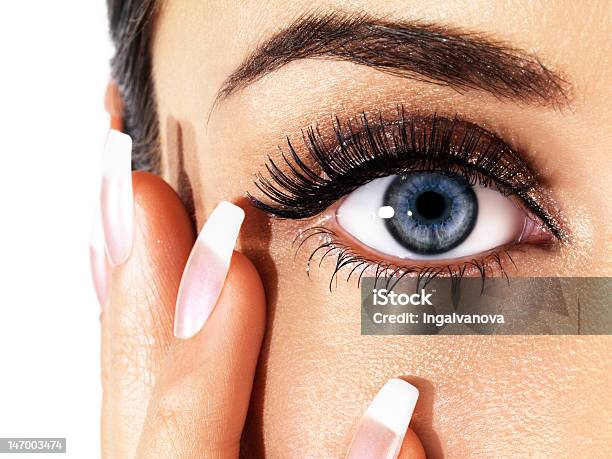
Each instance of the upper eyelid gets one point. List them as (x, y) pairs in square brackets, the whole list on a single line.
[(299, 191), (482, 152), (485, 138)]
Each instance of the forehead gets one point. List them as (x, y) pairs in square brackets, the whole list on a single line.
[(197, 45)]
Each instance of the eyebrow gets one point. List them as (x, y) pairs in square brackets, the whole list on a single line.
[(426, 52)]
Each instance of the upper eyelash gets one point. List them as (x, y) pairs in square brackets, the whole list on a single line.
[(368, 151), (407, 144)]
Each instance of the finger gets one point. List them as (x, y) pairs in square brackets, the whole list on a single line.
[(201, 398), (137, 318), (383, 429), (412, 448), (138, 313)]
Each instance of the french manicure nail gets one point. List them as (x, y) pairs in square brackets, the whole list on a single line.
[(117, 198), (382, 428), (97, 259), (206, 269)]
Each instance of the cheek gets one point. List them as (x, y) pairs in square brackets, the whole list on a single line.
[(316, 379), (317, 374)]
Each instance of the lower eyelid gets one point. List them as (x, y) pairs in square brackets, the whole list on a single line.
[(323, 239), (347, 263)]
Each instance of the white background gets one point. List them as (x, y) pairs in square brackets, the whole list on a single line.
[(54, 68)]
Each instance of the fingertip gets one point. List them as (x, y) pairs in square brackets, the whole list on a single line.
[(161, 219), (156, 199), (384, 425), (215, 272), (412, 448), (240, 310), (142, 291), (243, 280)]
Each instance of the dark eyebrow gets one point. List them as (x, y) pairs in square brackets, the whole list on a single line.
[(421, 51)]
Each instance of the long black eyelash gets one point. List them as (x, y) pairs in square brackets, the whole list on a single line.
[(389, 273), (359, 154)]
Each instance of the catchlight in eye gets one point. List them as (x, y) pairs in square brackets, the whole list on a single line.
[(430, 215)]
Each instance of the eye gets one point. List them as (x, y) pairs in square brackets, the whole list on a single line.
[(430, 215), (406, 194)]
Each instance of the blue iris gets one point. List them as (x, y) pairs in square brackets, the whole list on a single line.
[(434, 212)]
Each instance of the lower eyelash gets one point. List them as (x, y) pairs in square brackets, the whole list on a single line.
[(489, 265)]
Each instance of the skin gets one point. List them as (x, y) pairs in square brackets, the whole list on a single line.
[(170, 397), (480, 396)]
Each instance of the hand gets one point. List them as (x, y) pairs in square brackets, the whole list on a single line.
[(187, 397)]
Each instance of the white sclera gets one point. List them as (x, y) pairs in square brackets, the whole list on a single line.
[(362, 213)]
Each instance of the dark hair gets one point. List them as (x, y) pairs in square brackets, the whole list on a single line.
[(131, 30)]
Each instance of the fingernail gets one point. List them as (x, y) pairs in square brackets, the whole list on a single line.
[(117, 200), (97, 259), (206, 269), (382, 428)]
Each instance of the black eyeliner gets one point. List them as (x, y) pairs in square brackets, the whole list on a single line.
[(364, 150)]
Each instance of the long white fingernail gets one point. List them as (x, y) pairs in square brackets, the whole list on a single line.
[(97, 258), (382, 428), (206, 269), (117, 197)]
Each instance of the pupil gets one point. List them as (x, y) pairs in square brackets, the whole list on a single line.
[(433, 212), (431, 205)]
